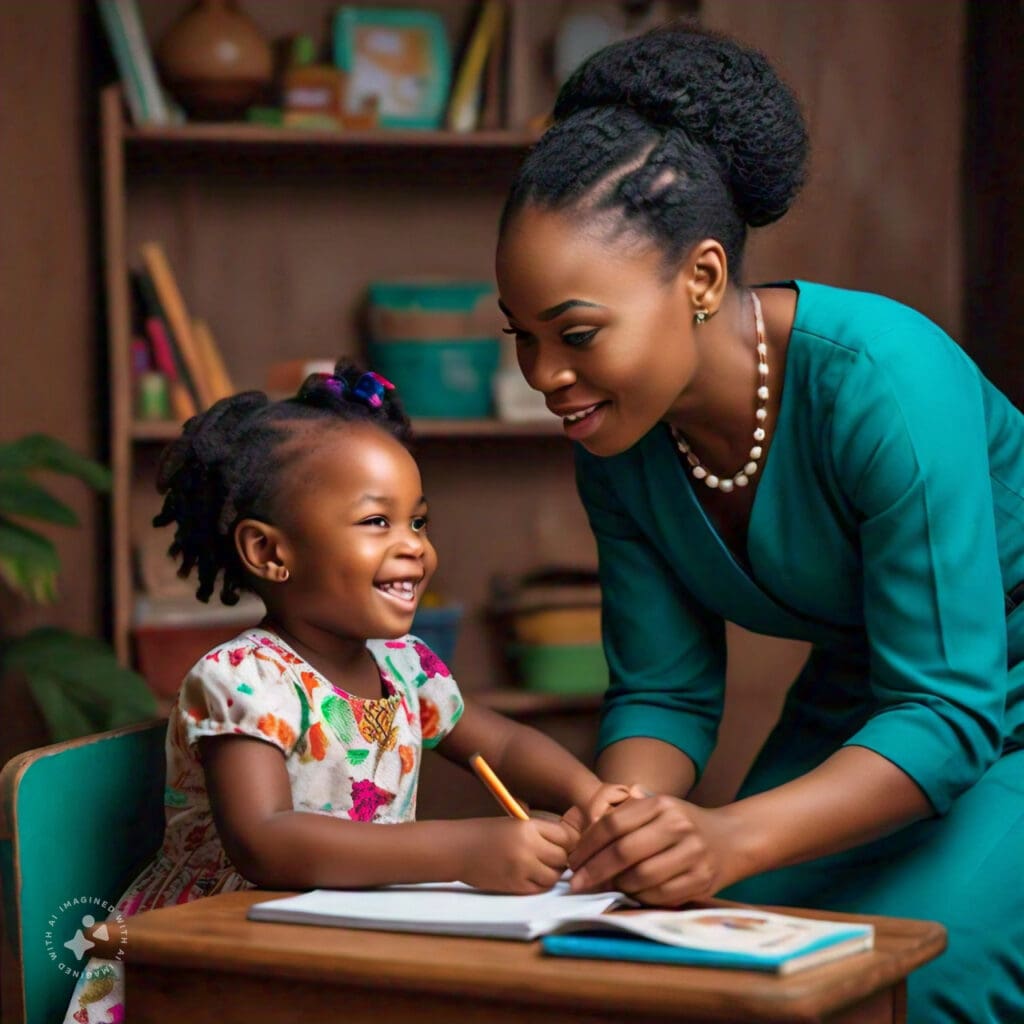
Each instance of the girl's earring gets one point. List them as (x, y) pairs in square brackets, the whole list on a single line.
[(283, 574), (701, 316)]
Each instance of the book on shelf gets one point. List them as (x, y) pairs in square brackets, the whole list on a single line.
[(171, 302), (492, 104), (214, 368), (745, 938), (165, 358), (449, 908), (466, 101), (134, 60)]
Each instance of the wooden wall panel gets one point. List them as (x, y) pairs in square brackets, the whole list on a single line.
[(49, 353), (881, 83)]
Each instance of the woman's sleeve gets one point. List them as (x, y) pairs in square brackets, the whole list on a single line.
[(666, 654), (910, 440), (243, 690)]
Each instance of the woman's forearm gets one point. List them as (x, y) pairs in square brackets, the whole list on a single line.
[(648, 763), (850, 799)]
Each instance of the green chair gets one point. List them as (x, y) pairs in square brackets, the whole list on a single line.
[(77, 821)]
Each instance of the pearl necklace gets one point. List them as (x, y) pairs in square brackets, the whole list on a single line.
[(741, 478)]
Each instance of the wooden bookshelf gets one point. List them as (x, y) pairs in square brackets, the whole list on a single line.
[(273, 234)]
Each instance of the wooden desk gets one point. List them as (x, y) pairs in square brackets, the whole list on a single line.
[(205, 963)]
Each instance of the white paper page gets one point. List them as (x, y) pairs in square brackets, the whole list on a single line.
[(454, 909)]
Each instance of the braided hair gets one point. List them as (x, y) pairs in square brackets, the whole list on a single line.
[(681, 132), (229, 460)]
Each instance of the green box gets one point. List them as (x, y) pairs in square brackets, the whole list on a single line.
[(561, 668)]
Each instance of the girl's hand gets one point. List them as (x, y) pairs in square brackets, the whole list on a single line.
[(659, 849), (601, 801), (508, 855)]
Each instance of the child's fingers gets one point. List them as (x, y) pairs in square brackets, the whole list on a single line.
[(576, 819), (560, 833)]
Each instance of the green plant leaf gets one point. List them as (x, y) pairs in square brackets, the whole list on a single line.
[(22, 496), (78, 683), (28, 562), (39, 451)]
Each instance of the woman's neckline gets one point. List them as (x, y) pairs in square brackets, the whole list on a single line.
[(743, 560)]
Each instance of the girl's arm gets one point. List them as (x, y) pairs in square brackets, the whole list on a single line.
[(666, 851), (276, 847), (530, 763)]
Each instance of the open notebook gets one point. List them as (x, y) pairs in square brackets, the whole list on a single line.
[(440, 909)]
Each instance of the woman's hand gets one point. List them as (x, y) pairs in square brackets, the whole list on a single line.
[(508, 855), (661, 850)]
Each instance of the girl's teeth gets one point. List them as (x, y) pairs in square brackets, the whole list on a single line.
[(402, 589)]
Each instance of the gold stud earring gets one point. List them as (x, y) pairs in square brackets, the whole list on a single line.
[(701, 316)]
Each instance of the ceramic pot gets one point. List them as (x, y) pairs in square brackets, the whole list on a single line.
[(215, 60)]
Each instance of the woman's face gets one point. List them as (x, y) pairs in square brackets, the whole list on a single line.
[(599, 329)]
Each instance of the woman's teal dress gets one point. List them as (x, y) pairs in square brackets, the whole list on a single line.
[(887, 530)]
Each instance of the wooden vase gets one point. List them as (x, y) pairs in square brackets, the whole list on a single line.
[(215, 60)]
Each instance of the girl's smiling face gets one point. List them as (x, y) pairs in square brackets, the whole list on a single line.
[(600, 329), (353, 535)]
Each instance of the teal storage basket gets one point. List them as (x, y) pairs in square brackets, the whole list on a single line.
[(440, 379), (436, 340), (441, 296)]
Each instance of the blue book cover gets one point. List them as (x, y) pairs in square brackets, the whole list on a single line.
[(731, 938)]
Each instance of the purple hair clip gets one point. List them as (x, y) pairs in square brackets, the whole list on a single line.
[(369, 389)]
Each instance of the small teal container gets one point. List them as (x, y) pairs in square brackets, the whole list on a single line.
[(438, 628), (440, 379)]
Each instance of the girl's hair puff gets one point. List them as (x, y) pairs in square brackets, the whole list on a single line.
[(681, 132), (228, 462)]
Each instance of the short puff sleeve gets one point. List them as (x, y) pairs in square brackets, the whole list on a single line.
[(242, 689)]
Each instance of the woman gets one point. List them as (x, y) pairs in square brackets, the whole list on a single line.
[(807, 462)]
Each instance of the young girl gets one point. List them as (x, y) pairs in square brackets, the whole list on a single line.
[(290, 744)]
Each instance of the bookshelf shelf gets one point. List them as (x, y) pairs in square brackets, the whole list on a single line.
[(163, 430), (518, 703), (241, 135)]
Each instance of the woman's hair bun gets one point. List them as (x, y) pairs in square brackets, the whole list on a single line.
[(721, 94)]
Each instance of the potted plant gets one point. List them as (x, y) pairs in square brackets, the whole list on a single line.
[(76, 681)]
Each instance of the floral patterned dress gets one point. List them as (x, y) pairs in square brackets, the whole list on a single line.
[(348, 757)]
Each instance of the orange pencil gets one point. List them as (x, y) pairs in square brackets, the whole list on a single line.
[(497, 787)]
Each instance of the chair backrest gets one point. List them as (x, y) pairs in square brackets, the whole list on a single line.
[(77, 821)]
